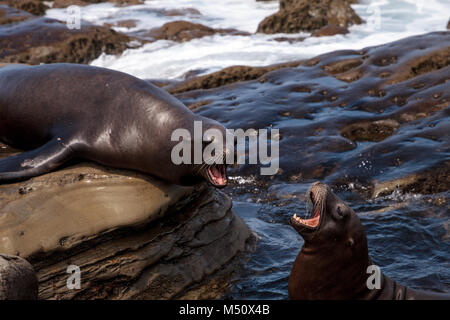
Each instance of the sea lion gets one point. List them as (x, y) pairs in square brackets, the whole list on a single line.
[(333, 261), (59, 112)]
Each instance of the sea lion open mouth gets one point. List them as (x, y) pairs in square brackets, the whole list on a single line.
[(217, 175), (315, 219)]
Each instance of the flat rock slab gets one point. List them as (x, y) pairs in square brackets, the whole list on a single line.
[(59, 211)]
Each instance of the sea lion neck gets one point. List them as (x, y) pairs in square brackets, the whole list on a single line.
[(325, 272), (333, 261)]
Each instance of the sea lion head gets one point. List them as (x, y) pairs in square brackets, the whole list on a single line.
[(334, 258), (214, 165), (215, 143), (331, 221)]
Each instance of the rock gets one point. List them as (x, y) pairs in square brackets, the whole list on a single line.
[(304, 15), (182, 12), (36, 7), (45, 40), (225, 76), (186, 31), (370, 131), (18, 280), (329, 30), (12, 15), (128, 23), (368, 120), (289, 39), (132, 236), (66, 3)]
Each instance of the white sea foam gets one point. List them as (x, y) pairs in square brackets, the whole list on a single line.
[(386, 20)]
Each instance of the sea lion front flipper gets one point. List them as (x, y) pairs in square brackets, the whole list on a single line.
[(34, 162)]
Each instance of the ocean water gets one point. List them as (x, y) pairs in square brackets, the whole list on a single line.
[(386, 20), (408, 235)]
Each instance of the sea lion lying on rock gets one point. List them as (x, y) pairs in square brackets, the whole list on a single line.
[(60, 112)]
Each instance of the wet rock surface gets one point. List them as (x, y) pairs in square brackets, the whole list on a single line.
[(36, 7), (186, 31), (29, 39), (133, 237), (182, 12), (12, 15), (18, 280), (128, 23), (226, 76), (329, 30), (375, 120), (303, 15)]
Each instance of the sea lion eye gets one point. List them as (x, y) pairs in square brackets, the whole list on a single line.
[(339, 212)]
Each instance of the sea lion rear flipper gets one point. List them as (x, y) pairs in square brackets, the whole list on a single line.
[(34, 162)]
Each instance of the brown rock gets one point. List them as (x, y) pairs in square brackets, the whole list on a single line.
[(289, 39), (132, 236), (66, 3), (36, 7), (45, 40), (329, 30), (185, 31), (18, 280), (182, 12), (129, 23), (304, 15), (12, 15), (370, 131), (226, 76)]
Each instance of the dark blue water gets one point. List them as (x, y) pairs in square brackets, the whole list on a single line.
[(408, 237)]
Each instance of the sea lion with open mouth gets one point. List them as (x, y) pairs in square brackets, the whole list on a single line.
[(334, 259), (59, 112)]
